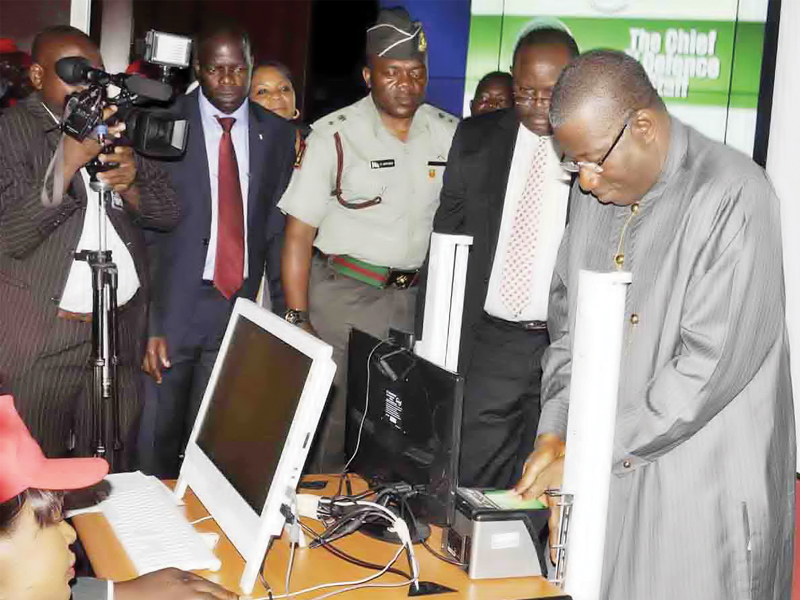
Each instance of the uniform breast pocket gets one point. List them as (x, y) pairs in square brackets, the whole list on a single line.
[(361, 186)]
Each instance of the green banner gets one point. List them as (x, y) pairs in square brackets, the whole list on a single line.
[(689, 61)]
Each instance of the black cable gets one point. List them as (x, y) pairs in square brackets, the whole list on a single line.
[(349, 522), (349, 557), (342, 477), (344, 498), (442, 557), (730, 79), (424, 543)]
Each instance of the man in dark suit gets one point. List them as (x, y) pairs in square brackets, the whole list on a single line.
[(504, 186), (237, 164), (45, 328)]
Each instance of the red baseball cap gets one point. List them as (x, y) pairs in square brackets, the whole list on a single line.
[(7, 45), (23, 465)]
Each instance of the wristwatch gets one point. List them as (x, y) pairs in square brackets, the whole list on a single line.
[(296, 317)]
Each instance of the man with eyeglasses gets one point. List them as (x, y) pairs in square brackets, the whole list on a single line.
[(702, 490), (237, 164), (504, 187)]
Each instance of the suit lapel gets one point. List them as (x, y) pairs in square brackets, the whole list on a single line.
[(258, 158), (502, 152)]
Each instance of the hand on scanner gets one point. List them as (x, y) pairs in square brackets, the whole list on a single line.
[(544, 470)]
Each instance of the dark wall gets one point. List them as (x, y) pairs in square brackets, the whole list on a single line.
[(21, 20), (338, 37), (278, 29)]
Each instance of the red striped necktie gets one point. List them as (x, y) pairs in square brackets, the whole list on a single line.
[(229, 261)]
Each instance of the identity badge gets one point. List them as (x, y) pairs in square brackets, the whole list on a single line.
[(386, 163)]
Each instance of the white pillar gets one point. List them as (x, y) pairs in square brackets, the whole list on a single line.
[(783, 161), (80, 14), (115, 34)]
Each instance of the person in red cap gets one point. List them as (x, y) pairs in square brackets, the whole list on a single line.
[(14, 64), (36, 562)]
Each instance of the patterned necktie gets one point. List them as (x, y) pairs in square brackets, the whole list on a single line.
[(229, 261), (515, 286)]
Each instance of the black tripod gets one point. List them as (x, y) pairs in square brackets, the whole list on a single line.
[(105, 332)]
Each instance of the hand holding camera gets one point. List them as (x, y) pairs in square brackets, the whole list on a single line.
[(121, 176), (79, 152)]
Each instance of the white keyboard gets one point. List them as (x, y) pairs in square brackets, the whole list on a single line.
[(154, 532)]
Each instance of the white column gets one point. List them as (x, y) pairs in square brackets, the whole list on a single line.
[(594, 387), (80, 14), (115, 34), (783, 161)]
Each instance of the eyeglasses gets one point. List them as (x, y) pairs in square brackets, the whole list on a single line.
[(575, 166)]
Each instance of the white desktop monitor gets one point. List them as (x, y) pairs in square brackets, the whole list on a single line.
[(254, 428)]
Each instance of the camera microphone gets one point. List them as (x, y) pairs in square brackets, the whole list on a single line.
[(149, 88), (74, 70)]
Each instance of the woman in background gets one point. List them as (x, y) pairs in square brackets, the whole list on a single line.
[(272, 88)]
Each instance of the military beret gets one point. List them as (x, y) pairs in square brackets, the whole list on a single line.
[(395, 35)]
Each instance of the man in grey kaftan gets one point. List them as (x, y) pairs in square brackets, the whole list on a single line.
[(702, 490)]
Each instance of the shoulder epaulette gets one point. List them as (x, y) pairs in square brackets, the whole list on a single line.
[(437, 115), (334, 121)]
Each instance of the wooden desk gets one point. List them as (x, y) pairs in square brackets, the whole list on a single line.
[(311, 567)]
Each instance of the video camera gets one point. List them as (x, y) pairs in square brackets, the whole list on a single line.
[(157, 133)]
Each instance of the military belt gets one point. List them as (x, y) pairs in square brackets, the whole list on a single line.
[(374, 275)]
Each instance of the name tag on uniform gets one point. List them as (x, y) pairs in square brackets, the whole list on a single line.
[(386, 163)]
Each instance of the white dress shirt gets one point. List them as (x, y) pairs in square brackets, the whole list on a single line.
[(212, 132), (78, 295), (552, 221)]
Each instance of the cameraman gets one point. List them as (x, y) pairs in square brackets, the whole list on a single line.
[(47, 295)]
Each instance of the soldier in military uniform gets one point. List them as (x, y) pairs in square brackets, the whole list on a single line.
[(360, 210)]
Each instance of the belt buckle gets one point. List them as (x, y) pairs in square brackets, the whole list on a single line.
[(402, 280)]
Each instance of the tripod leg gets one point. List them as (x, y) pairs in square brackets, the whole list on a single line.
[(113, 354), (98, 362)]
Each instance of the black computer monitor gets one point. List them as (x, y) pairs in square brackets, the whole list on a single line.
[(412, 429)]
